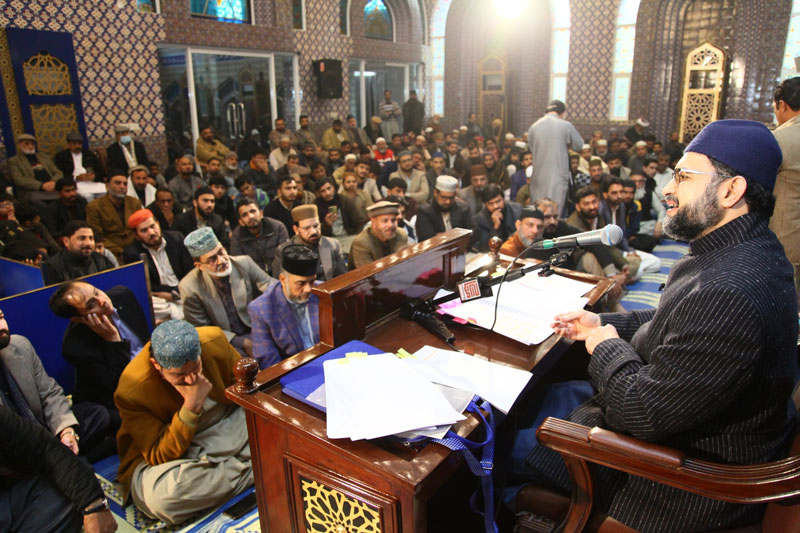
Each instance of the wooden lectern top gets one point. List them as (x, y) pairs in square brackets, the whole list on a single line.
[(364, 304)]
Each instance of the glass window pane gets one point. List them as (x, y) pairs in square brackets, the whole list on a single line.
[(560, 52), (377, 21), (223, 10), (622, 90), (559, 91), (623, 49), (628, 11), (792, 49), (438, 96), (297, 14), (284, 88), (560, 10), (175, 98), (147, 6), (440, 18), (437, 51), (343, 17), (354, 77)]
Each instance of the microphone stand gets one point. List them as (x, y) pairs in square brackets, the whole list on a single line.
[(424, 311)]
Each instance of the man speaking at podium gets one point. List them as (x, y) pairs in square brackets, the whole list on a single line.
[(710, 371)]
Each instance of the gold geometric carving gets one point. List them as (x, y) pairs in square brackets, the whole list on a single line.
[(699, 113), (51, 124), (705, 56), (11, 98), (46, 75), (329, 511)]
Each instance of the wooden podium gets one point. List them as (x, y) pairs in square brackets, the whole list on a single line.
[(307, 482)]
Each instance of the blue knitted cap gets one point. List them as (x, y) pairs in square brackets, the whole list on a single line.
[(201, 241), (174, 343), (746, 145)]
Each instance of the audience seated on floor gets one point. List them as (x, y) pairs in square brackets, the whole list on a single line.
[(33, 173), (381, 238), (77, 258), (184, 184), (308, 232), (68, 206), (257, 236), (280, 208), (126, 152), (216, 292), (109, 214), (445, 212), (182, 445), (139, 185), (202, 215), (497, 218), (285, 318)]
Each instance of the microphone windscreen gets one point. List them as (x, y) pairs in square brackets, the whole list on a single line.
[(612, 234)]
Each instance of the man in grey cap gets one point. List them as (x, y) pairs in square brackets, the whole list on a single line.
[(125, 152), (216, 292), (418, 187), (75, 160), (445, 212), (33, 172), (183, 445), (381, 238), (550, 139)]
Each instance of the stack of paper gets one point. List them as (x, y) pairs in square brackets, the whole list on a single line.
[(381, 395), (526, 307)]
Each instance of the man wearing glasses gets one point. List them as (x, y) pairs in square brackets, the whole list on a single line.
[(308, 232), (216, 292), (711, 370)]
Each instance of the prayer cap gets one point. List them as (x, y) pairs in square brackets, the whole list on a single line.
[(642, 122), (137, 217), (376, 120), (477, 170), (379, 139), (300, 260), (383, 208), (403, 154), (350, 157), (602, 142), (174, 343), (304, 212), (446, 184), (434, 155), (200, 241), (745, 145), (531, 212)]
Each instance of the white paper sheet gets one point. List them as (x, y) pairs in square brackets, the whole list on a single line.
[(379, 395), (526, 307), (498, 384)]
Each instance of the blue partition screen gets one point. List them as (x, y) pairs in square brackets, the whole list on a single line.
[(29, 315), (16, 277)]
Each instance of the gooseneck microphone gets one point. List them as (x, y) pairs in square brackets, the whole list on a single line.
[(609, 235)]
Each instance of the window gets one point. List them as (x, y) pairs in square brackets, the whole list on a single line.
[(344, 17), (298, 15), (792, 50), (437, 51), (147, 6), (378, 21), (623, 59), (237, 11), (559, 60)]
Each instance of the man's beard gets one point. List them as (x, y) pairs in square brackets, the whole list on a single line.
[(614, 171), (205, 216), (231, 167), (224, 274), (5, 338), (639, 194), (525, 241), (443, 209), (27, 152), (692, 219), (118, 195)]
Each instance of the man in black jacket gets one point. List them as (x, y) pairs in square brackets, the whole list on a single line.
[(257, 236), (75, 160), (106, 330), (445, 212), (68, 206), (167, 258), (710, 371), (46, 487), (203, 210), (77, 258)]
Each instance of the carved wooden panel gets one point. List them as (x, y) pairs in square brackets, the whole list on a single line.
[(703, 82)]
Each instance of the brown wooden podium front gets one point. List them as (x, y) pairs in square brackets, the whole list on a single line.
[(307, 482)]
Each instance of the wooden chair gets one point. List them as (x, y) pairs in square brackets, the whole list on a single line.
[(776, 483)]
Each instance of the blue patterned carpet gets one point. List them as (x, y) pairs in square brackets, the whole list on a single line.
[(644, 294), (212, 521)]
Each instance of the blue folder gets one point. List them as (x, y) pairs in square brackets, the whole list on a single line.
[(301, 382)]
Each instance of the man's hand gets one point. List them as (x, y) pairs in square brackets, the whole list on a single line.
[(165, 295), (194, 395), (497, 218), (68, 439), (48, 186), (102, 325), (619, 282), (101, 522), (598, 335), (331, 217), (576, 325), (264, 166), (83, 177)]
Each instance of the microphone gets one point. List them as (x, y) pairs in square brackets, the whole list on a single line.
[(609, 235)]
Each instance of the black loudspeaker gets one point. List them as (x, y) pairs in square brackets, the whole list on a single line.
[(329, 78)]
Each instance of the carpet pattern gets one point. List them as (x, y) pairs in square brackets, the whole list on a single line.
[(645, 293), (212, 521)]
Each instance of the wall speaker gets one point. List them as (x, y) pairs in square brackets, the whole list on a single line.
[(329, 78)]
